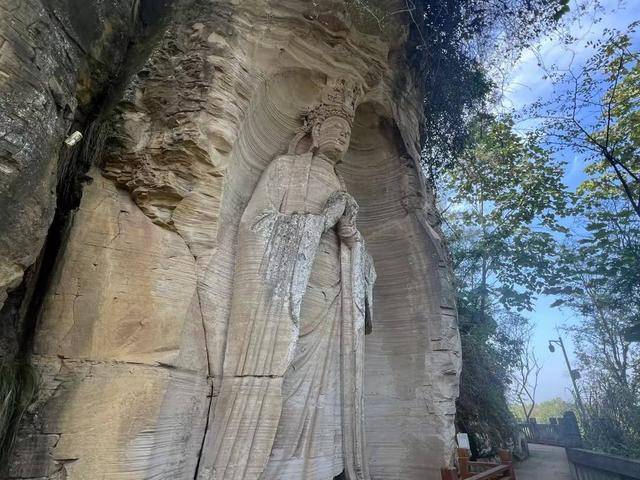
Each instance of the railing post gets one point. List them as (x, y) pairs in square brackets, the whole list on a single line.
[(449, 474), (464, 456), (570, 432), (507, 459)]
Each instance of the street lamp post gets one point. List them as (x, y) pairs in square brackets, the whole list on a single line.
[(574, 374)]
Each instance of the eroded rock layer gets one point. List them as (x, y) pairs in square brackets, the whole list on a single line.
[(44, 56), (131, 336)]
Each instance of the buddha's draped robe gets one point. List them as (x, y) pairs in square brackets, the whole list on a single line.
[(290, 404)]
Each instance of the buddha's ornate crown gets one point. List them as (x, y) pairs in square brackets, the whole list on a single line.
[(338, 100)]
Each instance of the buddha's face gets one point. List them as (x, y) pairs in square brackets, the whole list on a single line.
[(332, 137)]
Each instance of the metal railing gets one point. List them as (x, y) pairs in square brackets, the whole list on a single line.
[(561, 432), (590, 465)]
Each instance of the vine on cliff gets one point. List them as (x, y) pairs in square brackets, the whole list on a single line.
[(453, 44)]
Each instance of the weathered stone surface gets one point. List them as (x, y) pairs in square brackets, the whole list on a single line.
[(120, 345), (56, 59), (112, 420), (412, 356), (220, 98), (59, 59), (124, 289)]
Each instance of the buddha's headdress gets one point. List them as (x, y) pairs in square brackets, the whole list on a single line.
[(338, 100)]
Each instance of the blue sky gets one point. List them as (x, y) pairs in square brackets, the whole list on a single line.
[(525, 84)]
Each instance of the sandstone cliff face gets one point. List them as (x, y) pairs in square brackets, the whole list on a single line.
[(58, 59), (130, 337)]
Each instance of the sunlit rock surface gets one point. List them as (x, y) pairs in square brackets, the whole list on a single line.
[(132, 332), (59, 59)]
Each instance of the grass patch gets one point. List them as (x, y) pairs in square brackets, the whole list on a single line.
[(18, 386)]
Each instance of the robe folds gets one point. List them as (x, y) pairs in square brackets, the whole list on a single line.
[(291, 399)]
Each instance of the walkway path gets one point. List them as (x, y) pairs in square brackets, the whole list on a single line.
[(544, 463)]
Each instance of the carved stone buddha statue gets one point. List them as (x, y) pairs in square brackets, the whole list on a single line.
[(291, 399)]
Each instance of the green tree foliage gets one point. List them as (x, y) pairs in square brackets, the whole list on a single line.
[(452, 42), (482, 410), (599, 278), (595, 110), (503, 199), (500, 201), (506, 196)]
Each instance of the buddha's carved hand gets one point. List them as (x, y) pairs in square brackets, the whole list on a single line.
[(347, 229), (334, 209), (341, 210)]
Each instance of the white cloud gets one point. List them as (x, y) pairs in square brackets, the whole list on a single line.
[(526, 82)]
